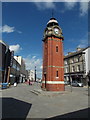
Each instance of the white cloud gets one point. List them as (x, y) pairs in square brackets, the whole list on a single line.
[(83, 5), (41, 67), (83, 43), (19, 31), (45, 5), (15, 48), (8, 29), (31, 62), (34, 57), (83, 8), (66, 51), (70, 5)]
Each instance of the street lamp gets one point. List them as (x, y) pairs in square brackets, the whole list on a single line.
[(71, 82), (16, 70), (70, 78), (35, 73)]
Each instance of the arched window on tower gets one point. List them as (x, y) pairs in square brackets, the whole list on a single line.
[(56, 48), (57, 73)]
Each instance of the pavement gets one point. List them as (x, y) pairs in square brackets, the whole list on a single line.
[(23, 102)]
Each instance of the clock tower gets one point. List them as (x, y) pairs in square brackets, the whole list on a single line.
[(53, 66)]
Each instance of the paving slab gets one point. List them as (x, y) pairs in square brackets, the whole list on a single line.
[(21, 102), (48, 93)]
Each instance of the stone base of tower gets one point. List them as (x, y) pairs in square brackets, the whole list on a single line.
[(53, 87)]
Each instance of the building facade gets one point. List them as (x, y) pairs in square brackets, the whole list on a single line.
[(12, 68), (53, 67), (87, 60), (14, 72), (76, 65), (31, 75), (5, 58), (23, 72)]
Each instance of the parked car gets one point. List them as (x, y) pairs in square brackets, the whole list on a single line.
[(77, 84), (4, 85), (67, 82)]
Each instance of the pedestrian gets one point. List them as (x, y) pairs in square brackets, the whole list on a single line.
[(89, 78), (15, 83), (29, 81)]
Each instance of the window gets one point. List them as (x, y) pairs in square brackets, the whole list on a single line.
[(72, 60), (56, 48), (65, 62), (77, 59), (66, 70), (78, 68), (18, 68), (14, 66), (56, 73), (73, 68)]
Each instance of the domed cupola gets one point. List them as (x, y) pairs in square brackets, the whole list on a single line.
[(52, 29), (52, 22)]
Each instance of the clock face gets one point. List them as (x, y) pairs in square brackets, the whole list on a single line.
[(56, 30)]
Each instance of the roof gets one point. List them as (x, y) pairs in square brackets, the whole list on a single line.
[(52, 22), (76, 53), (2, 42)]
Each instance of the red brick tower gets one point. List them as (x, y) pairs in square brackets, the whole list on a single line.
[(53, 67)]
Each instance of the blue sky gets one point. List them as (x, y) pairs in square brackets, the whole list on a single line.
[(23, 24)]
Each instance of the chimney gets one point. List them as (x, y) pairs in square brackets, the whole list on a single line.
[(69, 53), (78, 48)]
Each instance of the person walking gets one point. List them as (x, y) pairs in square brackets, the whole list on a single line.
[(29, 81), (88, 83)]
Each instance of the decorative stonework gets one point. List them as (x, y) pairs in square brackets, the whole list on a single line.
[(56, 66), (49, 31)]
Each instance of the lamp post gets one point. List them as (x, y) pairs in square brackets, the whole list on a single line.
[(16, 70), (35, 73), (70, 78), (71, 82)]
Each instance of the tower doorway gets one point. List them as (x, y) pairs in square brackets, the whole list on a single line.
[(45, 79)]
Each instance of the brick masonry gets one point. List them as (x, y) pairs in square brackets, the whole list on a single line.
[(53, 62)]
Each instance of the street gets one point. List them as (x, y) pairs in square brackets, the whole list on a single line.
[(21, 102)]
